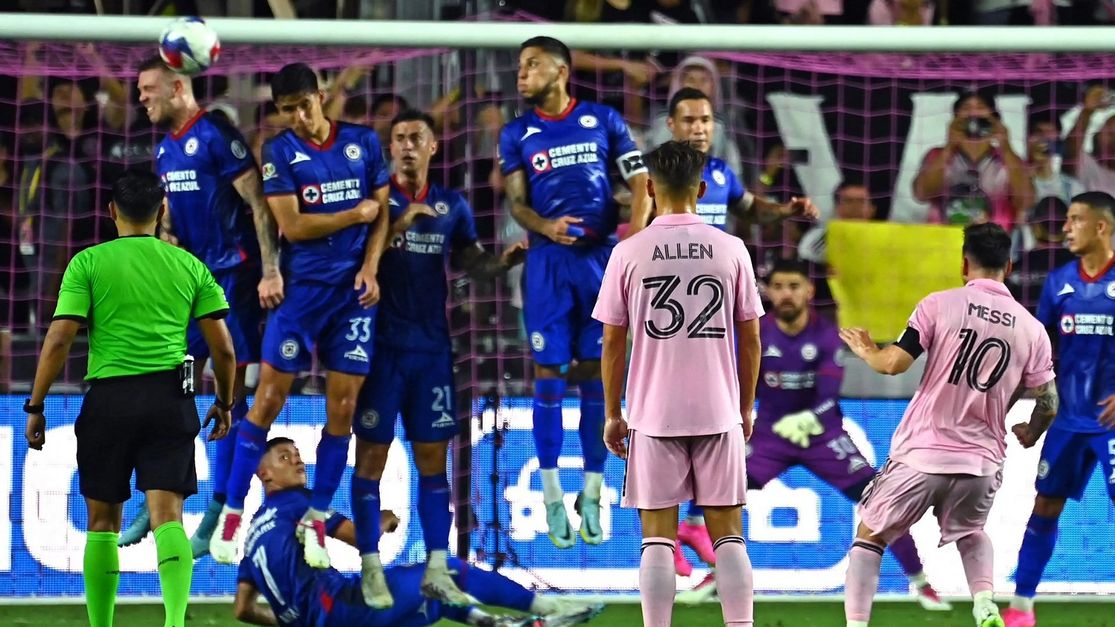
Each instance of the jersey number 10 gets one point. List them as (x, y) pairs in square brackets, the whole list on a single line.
[(969, 362)]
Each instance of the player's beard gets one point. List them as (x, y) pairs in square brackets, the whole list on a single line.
[(540, 96), (788, 312)]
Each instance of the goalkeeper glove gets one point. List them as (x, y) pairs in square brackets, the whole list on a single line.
[(798, 427)]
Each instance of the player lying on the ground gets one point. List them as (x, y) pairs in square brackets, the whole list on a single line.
[(984, 350), (301, 595), (800, 422)]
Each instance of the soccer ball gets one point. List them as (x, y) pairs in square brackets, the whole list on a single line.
[(189, 45)]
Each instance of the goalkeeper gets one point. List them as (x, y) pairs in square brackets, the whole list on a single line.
[(799, 420)]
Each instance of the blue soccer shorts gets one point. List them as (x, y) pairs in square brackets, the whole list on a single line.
[(560, 284), (324, 318), (418, 385), (1068, 459)]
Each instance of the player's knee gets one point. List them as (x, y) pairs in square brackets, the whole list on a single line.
[(723, 521), (371, 459), (1048, 506), (430, 458), (105, 519)]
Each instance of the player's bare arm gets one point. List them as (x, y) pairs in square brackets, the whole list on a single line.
[(890, 360), (248, 611), (414, 212), (749, 348), (1107, 416), (768, 211), (642, 205), (221, 351), (56, 348), (515, 186), (366, 282), (481, 264), (250, 188), (613, 363), (298, 227), (166, 230), (346, 531), (1046, 402)]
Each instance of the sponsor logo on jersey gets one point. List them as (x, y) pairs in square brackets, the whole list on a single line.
[(161, 151), (718, 177), (424, 243), (238, 149), (357, 354), (391, 202), (809, 351), (181, 181), (299, 157), (445, 420), (1067, 289), (288, 349), (805, 380), (443, 209), (353, 152), (564, 156), (588, 121), (269, 171), (540, 162), (772, 351), (1087, 324), (531, 130), (771, 379), (191, 147), (311, 194)]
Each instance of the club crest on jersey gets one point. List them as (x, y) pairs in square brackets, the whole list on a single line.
[(588, 121), (239, 150), (441, 208), (1043, 469), (191, 146), (397, 241), (540, 161), (1111, 290), (537, 342), (311, 194), (369, 419), (809, 351), (353, 152), (718, 177), (269, 171), (288, 349)]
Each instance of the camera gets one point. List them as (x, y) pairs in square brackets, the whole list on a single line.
[(978, 127)]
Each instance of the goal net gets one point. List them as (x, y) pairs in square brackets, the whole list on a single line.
[(849, 130)]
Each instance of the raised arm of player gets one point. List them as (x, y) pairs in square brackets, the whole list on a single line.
[(247, 610), (515, 187), (250, 188), (377, 242), (892, 359), (613, 363)]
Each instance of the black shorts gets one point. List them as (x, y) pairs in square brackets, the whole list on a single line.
[(140, 423)]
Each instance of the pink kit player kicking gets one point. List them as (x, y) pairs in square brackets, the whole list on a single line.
[(984, 351), (681, 286)]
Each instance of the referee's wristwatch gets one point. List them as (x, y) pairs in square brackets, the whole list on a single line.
[(28, 408), (223, 406)]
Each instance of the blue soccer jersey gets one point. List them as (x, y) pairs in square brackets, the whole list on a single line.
[(413, 283), (198, 165), (1082, 310), (566, 160), (327, 178), (722, 190), (273, 562)]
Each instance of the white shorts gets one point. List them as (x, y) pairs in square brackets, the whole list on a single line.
[(899, 496), (664, 472)]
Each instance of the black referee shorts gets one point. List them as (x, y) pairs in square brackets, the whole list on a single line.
[(140, 423)]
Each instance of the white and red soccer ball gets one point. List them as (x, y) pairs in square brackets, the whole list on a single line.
[(189, 45)]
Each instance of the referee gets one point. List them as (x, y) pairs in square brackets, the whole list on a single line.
[(136, 294)]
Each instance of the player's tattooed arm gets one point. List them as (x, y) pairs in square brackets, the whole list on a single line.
[(250, 188), (481, 264), (247, 610), (1046, 402), (515, 187)]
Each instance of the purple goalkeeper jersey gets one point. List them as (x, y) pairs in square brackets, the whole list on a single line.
[(799, 372)]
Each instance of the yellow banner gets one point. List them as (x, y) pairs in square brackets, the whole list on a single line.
[(881, 270)]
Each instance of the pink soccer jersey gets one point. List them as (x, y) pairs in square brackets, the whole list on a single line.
[(679, 285), (981, 344)]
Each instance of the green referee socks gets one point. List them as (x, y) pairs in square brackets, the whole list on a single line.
[(102, 575), (176, 569)]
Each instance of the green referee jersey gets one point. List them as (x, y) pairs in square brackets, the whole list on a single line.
[(137, 294)]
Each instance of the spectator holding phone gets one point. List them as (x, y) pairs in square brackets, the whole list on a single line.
[(1095, 169), (975, 177)]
